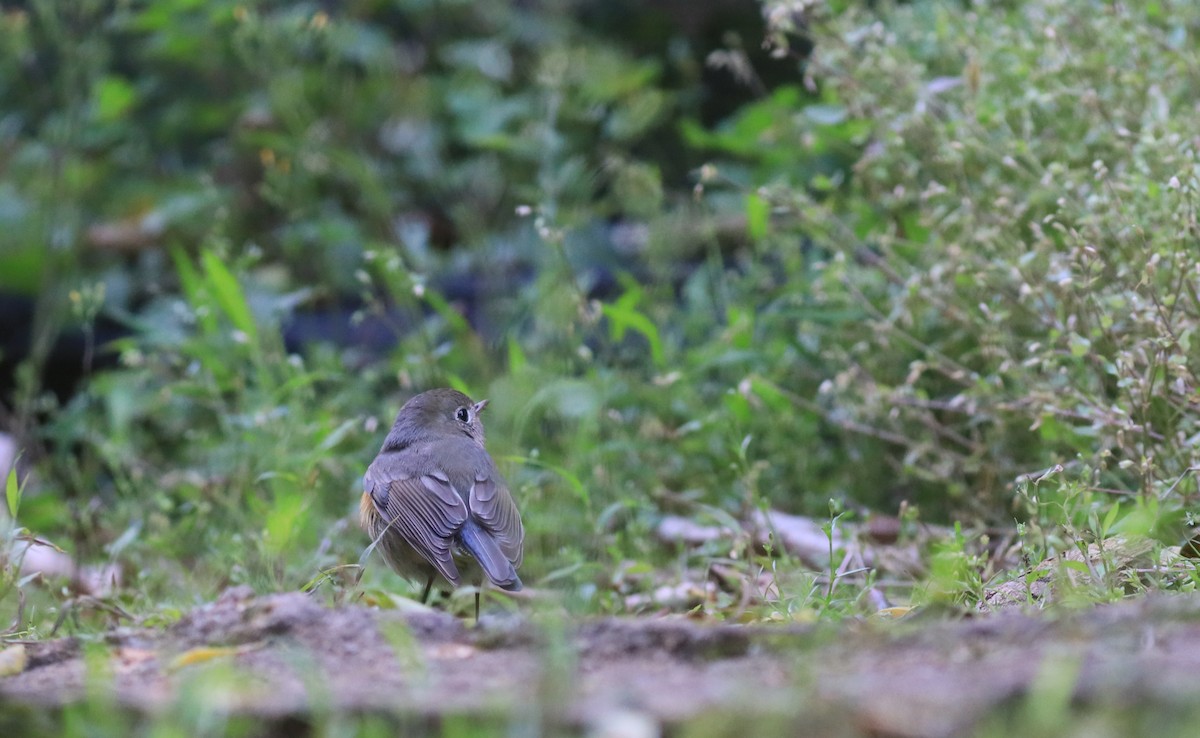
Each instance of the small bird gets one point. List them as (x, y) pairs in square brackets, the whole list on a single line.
[(433, 500)]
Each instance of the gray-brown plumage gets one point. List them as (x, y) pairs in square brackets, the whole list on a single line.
[(435, 502)]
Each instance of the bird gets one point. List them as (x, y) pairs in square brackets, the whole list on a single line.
[(435, 504)]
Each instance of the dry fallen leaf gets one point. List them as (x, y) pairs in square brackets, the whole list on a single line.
[(204, 654), (13, 660)]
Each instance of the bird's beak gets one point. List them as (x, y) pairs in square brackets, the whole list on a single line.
[(479, 406)]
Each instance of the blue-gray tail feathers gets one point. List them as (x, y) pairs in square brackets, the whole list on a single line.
[(491, 559)]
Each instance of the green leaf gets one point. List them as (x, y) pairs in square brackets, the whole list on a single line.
[(454, 319), (1110, 518), (114, 98), (623, 316), (12, 490), (457, 382), (337, 435), (193, 290), (516, 357), (770, 392), (758, 217), (738, 406), (229, 295), (1074, 565), (285, 518)]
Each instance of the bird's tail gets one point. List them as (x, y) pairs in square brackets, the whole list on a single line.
[(491, 559)]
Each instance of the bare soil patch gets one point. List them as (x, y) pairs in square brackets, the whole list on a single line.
[(286, 658)]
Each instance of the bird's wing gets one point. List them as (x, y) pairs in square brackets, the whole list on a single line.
[(425, 510), (493, 507)]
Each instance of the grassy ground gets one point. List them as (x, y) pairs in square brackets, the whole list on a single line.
[(920, 275)]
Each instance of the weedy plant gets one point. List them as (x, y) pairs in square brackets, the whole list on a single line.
[(1010, 252), (14, 541), (1016, 233), (955, 248)]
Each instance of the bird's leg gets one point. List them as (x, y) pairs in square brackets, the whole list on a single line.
[(428, 586), (477, 605)]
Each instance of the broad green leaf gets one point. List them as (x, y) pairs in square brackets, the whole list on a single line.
[(1110, 518), (516, 357), (229, 295), (758, 217), (337, 435), (1074, 565), (193, 290), (114, 97), (454, 319), (284, 519), (770, 393), (628, 318)]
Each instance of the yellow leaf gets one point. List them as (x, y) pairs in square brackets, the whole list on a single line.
[(203, 654)]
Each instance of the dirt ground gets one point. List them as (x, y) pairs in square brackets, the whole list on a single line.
[(287, 656)]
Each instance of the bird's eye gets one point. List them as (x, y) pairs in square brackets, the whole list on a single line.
[(462, 414)]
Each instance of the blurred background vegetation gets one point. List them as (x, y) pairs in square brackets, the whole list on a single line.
[(833, 258)]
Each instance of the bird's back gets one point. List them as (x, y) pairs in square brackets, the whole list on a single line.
[(446, 499)]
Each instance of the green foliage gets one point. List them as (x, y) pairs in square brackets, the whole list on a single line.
[(1014, 239), (209, 446), (956, 247), (953, 249), (954, 574), (204, 169), (13, 540)]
